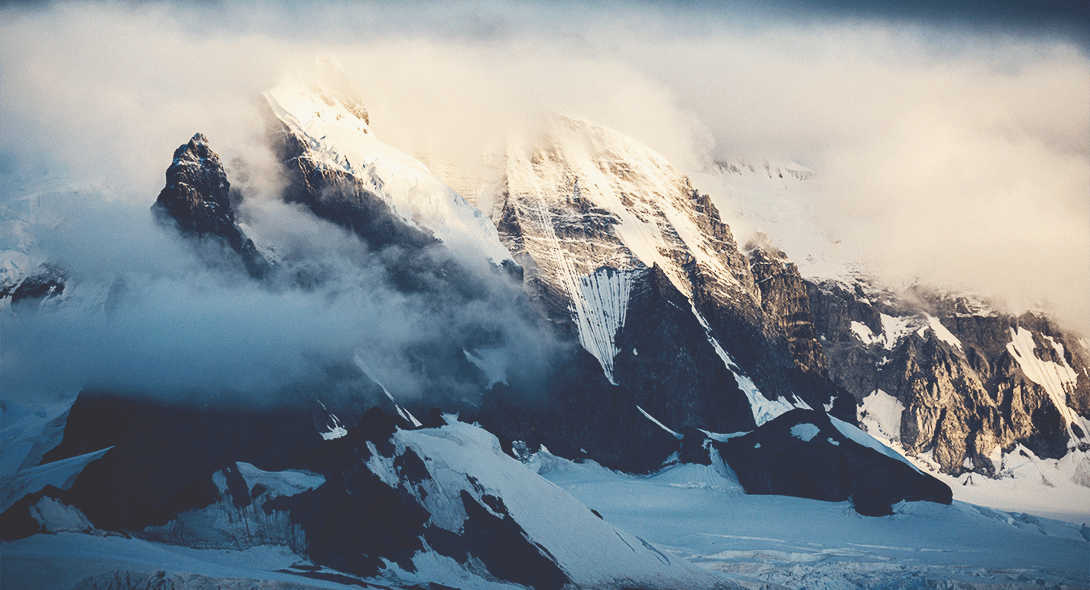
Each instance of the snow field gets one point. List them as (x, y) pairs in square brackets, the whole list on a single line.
[(592, 551), (763, 541)]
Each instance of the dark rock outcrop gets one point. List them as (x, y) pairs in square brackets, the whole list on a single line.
[(366, 503), (577, 414), (47, 281), (96, 420), (197, 200), (165, 450), (695, 447), (786, 303), (665, 359), (801, 453), (337, 196), (965, 394)]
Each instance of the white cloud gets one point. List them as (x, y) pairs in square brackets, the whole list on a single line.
[(958, 157)]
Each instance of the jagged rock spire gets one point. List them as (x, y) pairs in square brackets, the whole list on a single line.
[(197, 200)]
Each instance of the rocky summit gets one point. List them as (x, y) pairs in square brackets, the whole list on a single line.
[(197, 199), (613, 390)]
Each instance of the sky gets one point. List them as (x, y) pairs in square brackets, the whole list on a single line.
[(951, 141)]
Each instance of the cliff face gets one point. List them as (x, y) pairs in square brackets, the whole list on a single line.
[(951, 380), (623, 253), (786, 303), (197, 200)]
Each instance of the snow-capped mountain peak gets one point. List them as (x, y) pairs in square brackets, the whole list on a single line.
[(323, 110)]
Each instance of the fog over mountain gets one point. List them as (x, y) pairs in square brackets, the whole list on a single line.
[(552, 295), (927, 138)]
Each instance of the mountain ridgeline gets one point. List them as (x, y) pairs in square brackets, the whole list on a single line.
[(670, 343)]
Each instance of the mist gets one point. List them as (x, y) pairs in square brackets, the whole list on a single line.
[(146, 310), (955, 155)]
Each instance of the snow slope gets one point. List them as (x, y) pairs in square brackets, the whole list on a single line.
[(591, 551), (323, 111), (778, 199), (1050, 488), (699, 513)]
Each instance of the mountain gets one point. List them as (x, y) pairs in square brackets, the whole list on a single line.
[(340, 170), (382, 501), (991, 402), (197, 199), (623, 252), (600, 319)]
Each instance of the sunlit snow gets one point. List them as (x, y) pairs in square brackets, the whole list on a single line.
[(341, 139)]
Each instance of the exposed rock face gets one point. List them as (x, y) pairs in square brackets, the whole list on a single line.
[(786, 303), (414, 258), (577, 414), (665, 358), (967, 384), (592, 254), (377, 502), (802, 453), (48, 281), (97, 420), (373, 188), (622, 252), (197, 200), (341, 197)]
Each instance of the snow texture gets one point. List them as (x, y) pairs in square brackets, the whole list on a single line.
[(855, 434), (804, 432), (335, 428), (763, 408), (590, 550), (942, 333), (1056, 378), (61, 474), (371, 375), (593, 207), (700, 514), (324, 113), (280, 483), (659, 424), (600, 306), (880, 413)]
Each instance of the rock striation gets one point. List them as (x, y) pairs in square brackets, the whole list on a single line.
[(623, 254), (951, 380)]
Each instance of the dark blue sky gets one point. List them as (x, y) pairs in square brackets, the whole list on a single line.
[(1048, 18), (1041, 18)]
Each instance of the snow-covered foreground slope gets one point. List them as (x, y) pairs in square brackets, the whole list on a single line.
[(589, 550), (71, 560), (698, 513), (383, 506)]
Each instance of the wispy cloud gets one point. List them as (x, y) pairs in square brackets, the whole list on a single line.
[(956, 153)]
